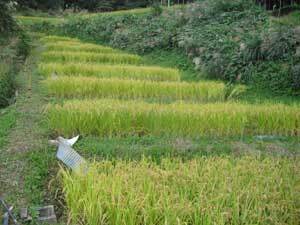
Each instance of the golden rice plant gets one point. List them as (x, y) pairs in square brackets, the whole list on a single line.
[(68, 56), (203, 191), (90, 87), (79, 47), (108, 117), (110, 71)]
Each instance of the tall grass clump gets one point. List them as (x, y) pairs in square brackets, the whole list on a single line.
[(122, 118), (89, 87), (110, 71), (79, 47), (69, 56), (206, 191)]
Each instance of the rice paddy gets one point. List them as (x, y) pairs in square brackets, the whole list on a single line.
[(122, 118), (89, 87), (110, 71), (103, 92), (69, 56), (206, 191), (78, 47), (54, 39)]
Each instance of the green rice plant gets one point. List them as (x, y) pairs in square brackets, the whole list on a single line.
[(90, 87), (110, 71), (203, 191), (68, 56), (79, 47), (110, 118), (55, 39)]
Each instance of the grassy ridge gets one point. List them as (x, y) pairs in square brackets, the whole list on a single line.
[(204, 191), (123, 118), (111, 71), (78, 87), (69, 56)]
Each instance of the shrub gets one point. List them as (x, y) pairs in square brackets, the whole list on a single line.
[(279, 44), (7, 84)]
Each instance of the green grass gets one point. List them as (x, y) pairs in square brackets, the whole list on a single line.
[(31, 20), (214, 190), (123, 118), (110, 71), (292, 19), (158, 148), (69, 56), (87, 87), (7, 121)]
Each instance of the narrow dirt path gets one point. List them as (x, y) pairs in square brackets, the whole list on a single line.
[(26, 136)]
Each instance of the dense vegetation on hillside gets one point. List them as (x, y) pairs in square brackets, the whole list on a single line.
[(92, 5), (236, 41), (13, 48)]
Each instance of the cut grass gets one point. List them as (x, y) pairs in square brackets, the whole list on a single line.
[(110, 71), (69, 56), (79, 47), (122, 118), (214, 190), (88, 87)]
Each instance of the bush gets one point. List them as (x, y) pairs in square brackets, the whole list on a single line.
[(279, 44), (13, 50), (7, 84), (7, 24)]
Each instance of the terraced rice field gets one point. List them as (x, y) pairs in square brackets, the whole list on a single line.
[(203, 191), (110, 71), (91, 87), (107, 93), (121, 118)]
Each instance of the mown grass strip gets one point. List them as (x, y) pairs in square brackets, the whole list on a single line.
[(68, 56), (88, 87), (110, 71), (122, 118), (214, 190), (79, 47)]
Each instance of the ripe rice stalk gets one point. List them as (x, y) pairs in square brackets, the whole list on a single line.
[(110, 71), (215, 190), (66, 56), (90, 87), (110, 118), (79, 47)]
